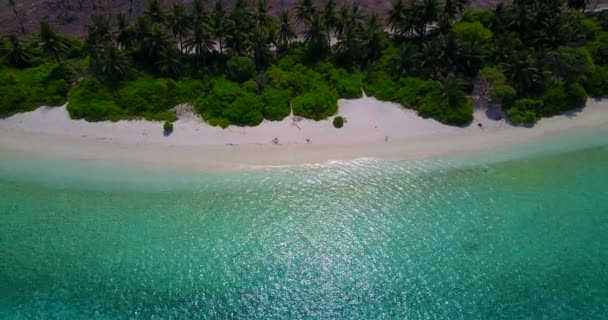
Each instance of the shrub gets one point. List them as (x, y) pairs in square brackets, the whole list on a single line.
[(318, 104), (438, 109), (380, 85), (146, 96), (276, 103), (228, 103), (525, 110), (190, 90), (27, 89), (411, 91), (504, 95), (168, 127), (338, 122), (597, 83), (93, 101), (599, 49), (517, 116), (347, 84), (485, 17), (240, 69)]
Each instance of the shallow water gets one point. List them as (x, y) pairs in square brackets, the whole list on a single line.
[(517, 239)]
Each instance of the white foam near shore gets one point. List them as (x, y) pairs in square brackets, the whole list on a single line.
[(374, 129)]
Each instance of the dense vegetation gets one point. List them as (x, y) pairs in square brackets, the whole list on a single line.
[(240, 65)]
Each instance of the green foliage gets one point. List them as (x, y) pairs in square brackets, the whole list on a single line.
[(168, 127), (485, 17), (276, 103), (559, 98), (599, 49), (317, 104), (432, 106), (525, 110), (148, 97), (473, 40), (93, 101), (518, 116), (504, 95), (229, 103), (190, 90), (240, 69), (348, 84), (28, 89), (597, 83), (547, 53), (338, 122), (494, 84)]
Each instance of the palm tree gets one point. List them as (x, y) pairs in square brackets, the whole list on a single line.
[(98, 34), (396, 15), (200, 42), (199, 14), (349, 44), (179, 23), (451, 89), (430, 13), (410, 57), (330, 19), (315, 37), (372, 38), (153, 43), (155, 12), (125, 36), (260, 47), (305, 11), (51, 43), (523, 73), (217, 21), (286, 34), (113, 64), (169, 63), (262, 19), (239, 28), (17, 56)]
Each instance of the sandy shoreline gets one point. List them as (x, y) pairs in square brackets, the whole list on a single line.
[(374, 129)]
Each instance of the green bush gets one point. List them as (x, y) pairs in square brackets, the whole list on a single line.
[(438, 109), (347, 84), (410, 92), (597, 83), (504, 95), (525, 111), (240, 69), (485, 17), (28, 89), (190, 90), (228, 103), (380, 85), (599, 49), (93, 101), (276, 103), (147, 97), (517, 116), (338, 122), (318, 104), (168, 127)]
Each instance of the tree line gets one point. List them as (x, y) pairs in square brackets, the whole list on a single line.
[(535, 57)]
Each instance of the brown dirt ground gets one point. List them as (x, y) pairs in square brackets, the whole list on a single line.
[(71, 16)]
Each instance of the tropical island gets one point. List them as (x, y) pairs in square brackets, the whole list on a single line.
[(241, 65)]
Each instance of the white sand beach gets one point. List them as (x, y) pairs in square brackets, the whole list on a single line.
[(374, 129)]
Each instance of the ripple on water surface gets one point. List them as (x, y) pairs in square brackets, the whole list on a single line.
[(364, 240)]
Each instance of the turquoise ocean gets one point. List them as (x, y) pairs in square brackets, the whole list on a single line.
[(520, 233)]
